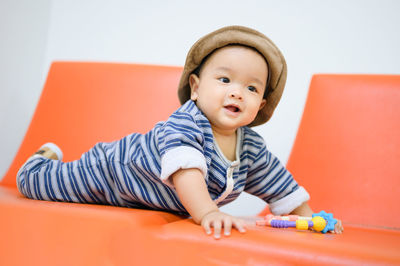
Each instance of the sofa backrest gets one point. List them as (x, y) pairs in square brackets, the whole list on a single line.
[(85, 103), (347, 149)]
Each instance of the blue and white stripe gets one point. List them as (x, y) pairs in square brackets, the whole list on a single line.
[(134, 171)]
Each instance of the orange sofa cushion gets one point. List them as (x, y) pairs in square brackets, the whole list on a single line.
[(83, 103), (347, 149)]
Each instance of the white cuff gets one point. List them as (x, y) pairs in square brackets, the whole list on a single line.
[(181, 158), (290, 202)]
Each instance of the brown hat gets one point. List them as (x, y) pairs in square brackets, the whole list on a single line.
[(277, 69)]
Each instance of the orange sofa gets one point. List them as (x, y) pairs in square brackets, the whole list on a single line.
[(345, 154)]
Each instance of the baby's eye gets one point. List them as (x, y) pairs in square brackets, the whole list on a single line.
[(224, 80), (251, 88)]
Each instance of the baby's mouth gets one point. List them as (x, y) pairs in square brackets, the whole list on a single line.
[(233, 108)]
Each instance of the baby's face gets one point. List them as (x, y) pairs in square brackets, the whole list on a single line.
[(230, 87)]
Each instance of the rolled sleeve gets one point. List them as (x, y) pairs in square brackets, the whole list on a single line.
[(290, 202), (181, 158), (181, 145)]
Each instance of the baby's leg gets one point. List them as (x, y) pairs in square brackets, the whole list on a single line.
[(86, 180)]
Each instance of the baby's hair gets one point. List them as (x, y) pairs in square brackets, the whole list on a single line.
[(198, 69)]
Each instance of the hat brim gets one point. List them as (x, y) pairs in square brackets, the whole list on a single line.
[(242, 36)]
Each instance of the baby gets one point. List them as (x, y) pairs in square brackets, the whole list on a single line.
[(202, 157)]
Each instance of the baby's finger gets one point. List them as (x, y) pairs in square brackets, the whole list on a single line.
[(206, 226), (339, 227), (227, 226), (239, 225), (217, 229)]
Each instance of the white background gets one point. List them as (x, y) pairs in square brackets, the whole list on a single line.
[(341, 36)]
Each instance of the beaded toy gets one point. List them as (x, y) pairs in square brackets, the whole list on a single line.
[(320, 222)]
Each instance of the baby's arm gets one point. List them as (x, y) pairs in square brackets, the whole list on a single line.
[(305, 210), (192, 191)]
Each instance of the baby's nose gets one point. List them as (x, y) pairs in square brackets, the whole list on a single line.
[(236, 93)]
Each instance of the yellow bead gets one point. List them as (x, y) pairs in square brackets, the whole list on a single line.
[(302, 224), (319, 223)]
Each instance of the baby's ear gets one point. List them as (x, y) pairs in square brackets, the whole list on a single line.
[(194, 86), (262, 104)]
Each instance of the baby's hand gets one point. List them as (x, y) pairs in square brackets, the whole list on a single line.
[(338, 227), (217, 220)]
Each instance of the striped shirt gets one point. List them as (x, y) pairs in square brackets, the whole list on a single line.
[(135, 171)]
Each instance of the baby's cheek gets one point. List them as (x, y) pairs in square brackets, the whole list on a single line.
[(253, 112)]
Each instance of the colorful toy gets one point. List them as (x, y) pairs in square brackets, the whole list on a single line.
[(320, 222)]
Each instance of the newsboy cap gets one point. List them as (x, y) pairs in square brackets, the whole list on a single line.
[(277, 69)]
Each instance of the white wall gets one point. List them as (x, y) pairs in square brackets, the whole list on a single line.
[(23, 40), (341, 36)]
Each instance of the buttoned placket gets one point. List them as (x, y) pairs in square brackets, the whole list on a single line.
[(230, 183)]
